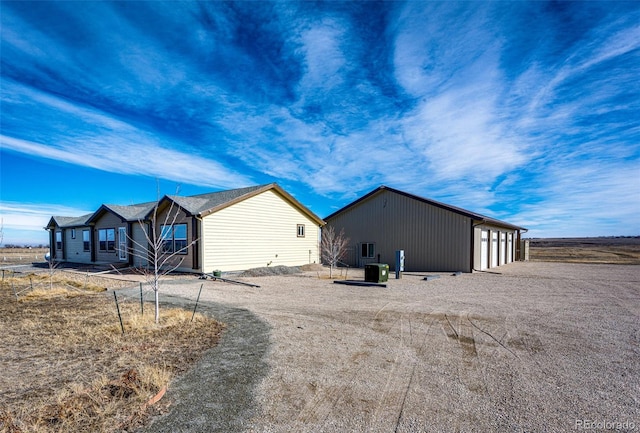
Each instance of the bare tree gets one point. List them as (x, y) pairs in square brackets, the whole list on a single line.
[(159, 249), (333, 247), (53, 267)]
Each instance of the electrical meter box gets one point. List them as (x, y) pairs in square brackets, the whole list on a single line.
[(399, 263)]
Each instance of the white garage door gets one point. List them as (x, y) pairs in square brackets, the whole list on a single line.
[(509, 247), (484, 250), (494, 249)]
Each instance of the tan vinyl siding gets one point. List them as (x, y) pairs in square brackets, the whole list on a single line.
[(256, 232), (74, 248), (433, 239)]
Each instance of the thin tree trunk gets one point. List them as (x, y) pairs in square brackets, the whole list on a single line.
[(156, 294), (157, 307)]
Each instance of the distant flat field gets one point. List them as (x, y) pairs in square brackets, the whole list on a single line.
[(21, 256), (607, 250)]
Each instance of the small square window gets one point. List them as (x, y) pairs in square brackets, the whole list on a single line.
[(174, 238), (300, 230), (107, 239), (368, 250)]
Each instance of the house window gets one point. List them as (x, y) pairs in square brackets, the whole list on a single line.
[(180, 238), (86, 244), (166, 236), (58, 240), (368, 250), (73, 233), (107, 239), (174, 238), (300, 230)]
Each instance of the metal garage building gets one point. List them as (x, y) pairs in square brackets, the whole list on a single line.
[(434, 236)]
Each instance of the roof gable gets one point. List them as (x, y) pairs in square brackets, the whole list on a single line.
[(198, 205), (67, 222), (130, 213), (464, 212), (206, 204), (203, 203)]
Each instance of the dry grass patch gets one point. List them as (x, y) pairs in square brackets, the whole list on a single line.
[(68, 367), (44, 285), (21, 256)]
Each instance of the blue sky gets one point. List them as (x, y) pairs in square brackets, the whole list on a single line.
[(524, 111)]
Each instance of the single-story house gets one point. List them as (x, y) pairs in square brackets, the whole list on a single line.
[(434, 236), (69, 236), (227, 230)]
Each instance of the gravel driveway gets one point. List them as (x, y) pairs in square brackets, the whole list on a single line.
[(541, 347)]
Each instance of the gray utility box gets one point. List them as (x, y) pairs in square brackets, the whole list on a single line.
[(376, 273)]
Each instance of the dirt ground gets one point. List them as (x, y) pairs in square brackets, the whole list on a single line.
[(530, 346)]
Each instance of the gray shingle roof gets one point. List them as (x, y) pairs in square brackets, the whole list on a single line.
[(133, 212), (196, 204), (65, 221)]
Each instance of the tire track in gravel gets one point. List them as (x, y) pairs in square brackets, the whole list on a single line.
[(469, 368), (409, 354), (324, 402), (384, 323), (420, 352), (389, 323), (316, 412)]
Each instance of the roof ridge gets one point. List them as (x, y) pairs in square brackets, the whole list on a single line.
[(248, 188), (459, 210)]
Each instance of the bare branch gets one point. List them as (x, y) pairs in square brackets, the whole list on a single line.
[(159, 259), (333, 247)]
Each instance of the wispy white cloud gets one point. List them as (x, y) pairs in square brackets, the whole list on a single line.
[(572, 198), (460, 136), (89, 138), (115, 155), (323, 58), (23, 223), (460, 131), (449, 100), (25, 216)]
